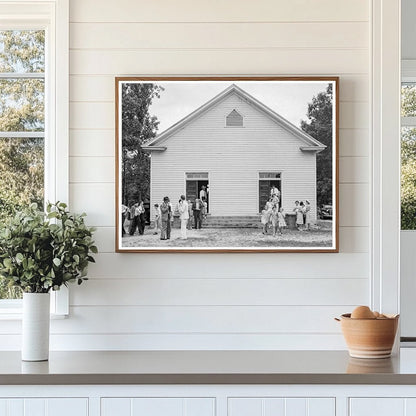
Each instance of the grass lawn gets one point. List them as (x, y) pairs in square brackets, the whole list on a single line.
[(319, 236)]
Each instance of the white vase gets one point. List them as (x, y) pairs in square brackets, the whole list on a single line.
[(35, 326)]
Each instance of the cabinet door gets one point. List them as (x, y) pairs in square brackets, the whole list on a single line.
[(378, 406), (254, 406), (44, 407), (160, 406)]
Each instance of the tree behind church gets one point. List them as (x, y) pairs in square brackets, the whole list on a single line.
[(138, 127), (319, 126)]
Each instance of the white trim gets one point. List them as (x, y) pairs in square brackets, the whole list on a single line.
[(408, 121), (18, 134), (18, 75), (408, 70), (385, 112)]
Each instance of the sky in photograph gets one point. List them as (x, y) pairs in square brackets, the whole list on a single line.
[(288, 98)]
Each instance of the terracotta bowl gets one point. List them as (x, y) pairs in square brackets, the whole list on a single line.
[(369, 338)]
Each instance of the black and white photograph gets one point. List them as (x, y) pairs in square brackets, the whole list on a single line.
[(227, 164)]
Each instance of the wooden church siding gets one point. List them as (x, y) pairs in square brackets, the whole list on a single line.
[(233, 158)]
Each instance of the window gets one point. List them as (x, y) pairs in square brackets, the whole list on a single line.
[(269, 175), (234, 119), (408, 156), (33, 162)]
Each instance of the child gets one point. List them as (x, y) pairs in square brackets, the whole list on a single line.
[(307, 215), (281, 219), (158, 221), (265, 220), (299, 215), (274, 217)]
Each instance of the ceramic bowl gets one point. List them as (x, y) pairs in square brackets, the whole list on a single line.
[(369, 338)]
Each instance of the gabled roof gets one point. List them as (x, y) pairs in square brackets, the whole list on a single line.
[(311, 144)]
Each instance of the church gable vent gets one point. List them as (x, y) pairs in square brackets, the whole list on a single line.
[(234, 119)]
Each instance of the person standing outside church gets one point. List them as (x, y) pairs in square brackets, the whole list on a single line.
[(183, 215), (197, 206), (166, 212), (275, 195), (203, 193)]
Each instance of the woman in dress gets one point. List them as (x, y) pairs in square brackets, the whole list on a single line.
[(281, 219), (299, 215), (274, 218)]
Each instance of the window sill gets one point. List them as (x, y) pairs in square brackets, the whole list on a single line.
[(16, 315)]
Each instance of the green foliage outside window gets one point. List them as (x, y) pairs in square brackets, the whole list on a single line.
[(408, 160), (21, 110)]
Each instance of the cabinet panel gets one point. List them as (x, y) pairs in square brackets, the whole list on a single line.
[(199, 407), (377, 407), (298, 406), (159, 406), (67, 407), (44, 407), (119, 407)]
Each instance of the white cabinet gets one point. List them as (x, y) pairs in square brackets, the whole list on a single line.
[(159, 406), (378, 406), (44, 407), (281, 406)]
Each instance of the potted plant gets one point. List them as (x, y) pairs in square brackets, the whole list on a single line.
[(40, 252)]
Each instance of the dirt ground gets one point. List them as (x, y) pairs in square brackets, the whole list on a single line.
[(319, 236)]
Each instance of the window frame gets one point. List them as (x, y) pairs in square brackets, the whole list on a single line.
[(53, 17)]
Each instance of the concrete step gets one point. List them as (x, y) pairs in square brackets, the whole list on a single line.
[(252, 221)]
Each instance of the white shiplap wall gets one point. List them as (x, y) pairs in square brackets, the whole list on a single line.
[(213, 301)]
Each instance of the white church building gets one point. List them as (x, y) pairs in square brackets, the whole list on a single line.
[(238, 148)]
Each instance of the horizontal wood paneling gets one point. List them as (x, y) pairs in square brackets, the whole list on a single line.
[(94, 143), (99, 88), (219, 11), (354, 239), (234, 266), (217, 291), (101, 115), (218, 35), (96, 199), (192, 341), (220, 62), (299, 37), (354, 142), (354, 205), (200, 319), (354, 169), (92, 169)]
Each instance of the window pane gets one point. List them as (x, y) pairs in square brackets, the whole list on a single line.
[(22, 105), (22, 51), (269, 175), (409, 100), (408, 178), (21, 183)]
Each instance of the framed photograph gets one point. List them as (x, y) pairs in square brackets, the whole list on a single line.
[(226, 164)]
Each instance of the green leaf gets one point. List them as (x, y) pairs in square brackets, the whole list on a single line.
[(94, 249), (57, 262)]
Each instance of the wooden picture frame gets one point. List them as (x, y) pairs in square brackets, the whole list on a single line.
[(252, 161)]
